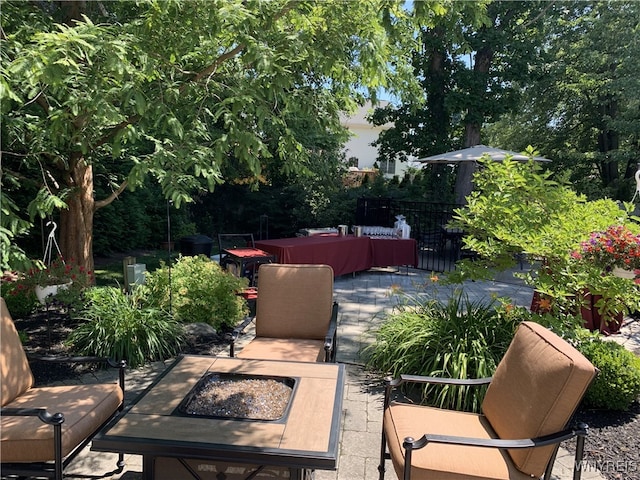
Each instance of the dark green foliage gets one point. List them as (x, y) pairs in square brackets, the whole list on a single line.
[(458, 339), (618, 383), (118, 327), (20, 300), (196, 290)]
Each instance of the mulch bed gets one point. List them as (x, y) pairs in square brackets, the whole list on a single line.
[(613, 445), (46, 330)]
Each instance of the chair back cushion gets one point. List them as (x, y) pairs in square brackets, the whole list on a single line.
[(294, 301), (16, 374), (535, 391)]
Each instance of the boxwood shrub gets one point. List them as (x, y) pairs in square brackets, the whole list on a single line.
[(196, 289), (618, 383)]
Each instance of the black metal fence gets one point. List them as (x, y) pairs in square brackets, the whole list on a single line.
[(438, 245)]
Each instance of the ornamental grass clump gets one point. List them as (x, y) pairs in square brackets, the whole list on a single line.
[(117, 326), (457, 339)]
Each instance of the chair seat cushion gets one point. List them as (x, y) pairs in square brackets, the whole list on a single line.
[(292, 349), (85, 408), (445, 462)]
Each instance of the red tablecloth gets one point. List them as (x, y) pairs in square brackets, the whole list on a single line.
[(388, 252), (345, 254)]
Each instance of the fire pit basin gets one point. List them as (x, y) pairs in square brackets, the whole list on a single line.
[(239, 397)]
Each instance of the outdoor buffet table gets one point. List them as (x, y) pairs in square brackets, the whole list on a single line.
[(388, 252), (345, 254), (172, 443)]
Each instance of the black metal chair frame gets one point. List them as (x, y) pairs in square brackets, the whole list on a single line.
[(578, 431), (56, 468)]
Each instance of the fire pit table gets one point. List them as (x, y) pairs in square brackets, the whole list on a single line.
[(212, 418)]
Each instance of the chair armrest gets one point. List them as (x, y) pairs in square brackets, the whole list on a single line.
[(330, 338), (391, 383), (551, 439), (86, 359), (41, 413), (402, 379), (235, 333)]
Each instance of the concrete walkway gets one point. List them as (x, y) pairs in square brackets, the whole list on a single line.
[(363, 299)]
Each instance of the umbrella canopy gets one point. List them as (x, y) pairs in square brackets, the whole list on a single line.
[(473, 154)]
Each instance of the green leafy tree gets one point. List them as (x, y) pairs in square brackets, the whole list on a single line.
[(181, 91), (581, 109), (467, 66)]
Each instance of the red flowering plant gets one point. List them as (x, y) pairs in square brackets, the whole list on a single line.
[(59, 272), (615, 247), (74, 277)]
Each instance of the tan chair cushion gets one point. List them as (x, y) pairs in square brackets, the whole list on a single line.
[(294, 301), (85, 408), (296, 350), (16, 377), (445, 462), (535, 391)]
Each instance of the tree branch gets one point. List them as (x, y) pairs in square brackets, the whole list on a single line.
[(537, 17), (233, 52), (106, 201), (112, 132)]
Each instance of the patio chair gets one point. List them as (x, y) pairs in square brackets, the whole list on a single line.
[(296, 317), (239, 255), (44, 428), (530, 401)]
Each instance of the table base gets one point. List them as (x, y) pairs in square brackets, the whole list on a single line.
[(165, 468)]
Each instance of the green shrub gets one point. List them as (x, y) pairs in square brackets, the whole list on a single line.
[(20, 300), (459, 339), (201, 291), (618, 383), (118, 327)]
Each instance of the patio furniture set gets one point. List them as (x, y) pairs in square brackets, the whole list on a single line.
[(526, 412)]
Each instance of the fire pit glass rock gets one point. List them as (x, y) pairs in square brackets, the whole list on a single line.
[(238, 396)]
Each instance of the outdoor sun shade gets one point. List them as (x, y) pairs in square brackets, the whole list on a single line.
[(473, 154)]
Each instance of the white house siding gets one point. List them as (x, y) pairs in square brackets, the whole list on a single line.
[(363, 134)]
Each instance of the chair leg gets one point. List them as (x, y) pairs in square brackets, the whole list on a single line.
[(57, 445), (383, 455), (408, 450), (577, 465), (548, 471)]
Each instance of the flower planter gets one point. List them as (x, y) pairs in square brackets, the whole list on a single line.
[(622, 273), (43, 291), (594, 321)]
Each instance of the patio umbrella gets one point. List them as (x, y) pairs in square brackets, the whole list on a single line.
[(473, 154), (468, 158)]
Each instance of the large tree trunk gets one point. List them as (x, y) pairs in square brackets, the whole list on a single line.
[(76, 223), (465, 170), (473, 124), (608, 140)]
